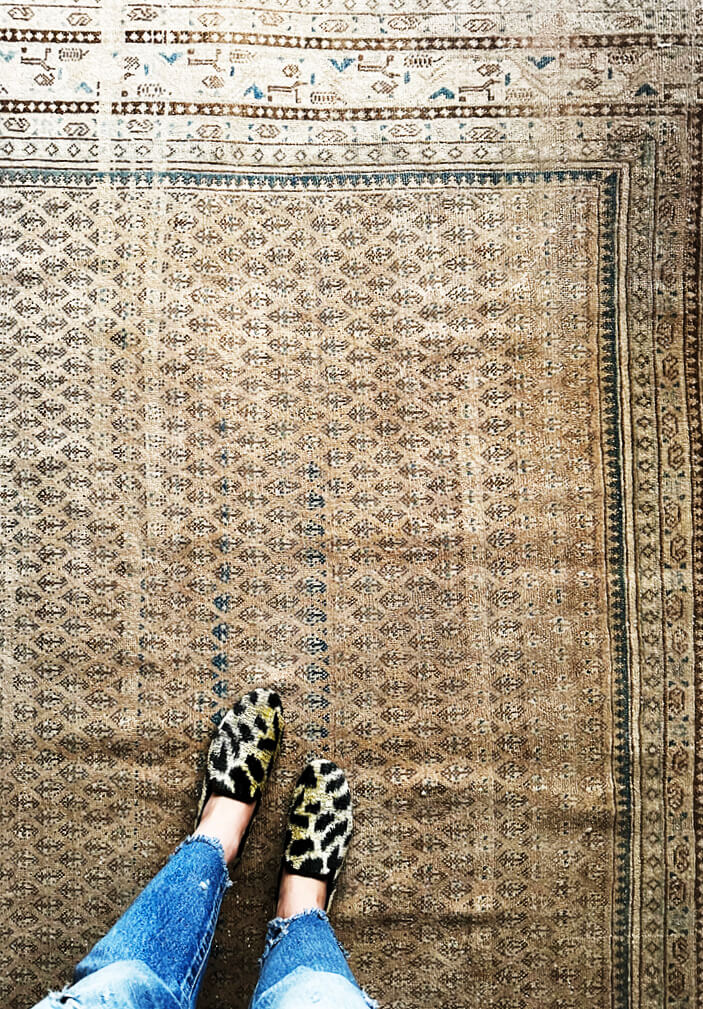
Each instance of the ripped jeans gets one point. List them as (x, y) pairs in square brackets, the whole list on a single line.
[(154, 957)]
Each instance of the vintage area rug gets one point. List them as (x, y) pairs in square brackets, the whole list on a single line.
[(353, 348)]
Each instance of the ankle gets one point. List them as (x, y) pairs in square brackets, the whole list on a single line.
[(227, 820), (300, 893)]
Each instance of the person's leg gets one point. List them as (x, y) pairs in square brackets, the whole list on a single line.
[(169, 927), (303, 962), (303, 957)]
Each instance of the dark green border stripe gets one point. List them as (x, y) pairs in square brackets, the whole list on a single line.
[(147, 177), (615, 554)]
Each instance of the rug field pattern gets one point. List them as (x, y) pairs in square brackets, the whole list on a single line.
[(357, 351)]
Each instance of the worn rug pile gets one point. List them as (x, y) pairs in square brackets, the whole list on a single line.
[(352, 347)]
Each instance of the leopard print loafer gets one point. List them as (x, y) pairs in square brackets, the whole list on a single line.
[(243, 751), (320, 825)]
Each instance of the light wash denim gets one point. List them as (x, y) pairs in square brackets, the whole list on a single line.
[(154, 957)]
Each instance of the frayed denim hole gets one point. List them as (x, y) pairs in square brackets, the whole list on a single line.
[(275, 931), (62, 999), (215, 843), (370, 1002), (278, 927)]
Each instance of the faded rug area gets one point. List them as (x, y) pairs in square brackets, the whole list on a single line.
[(353, 349)]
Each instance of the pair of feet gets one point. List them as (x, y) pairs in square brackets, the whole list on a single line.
[(240, 759), (227, 820)]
